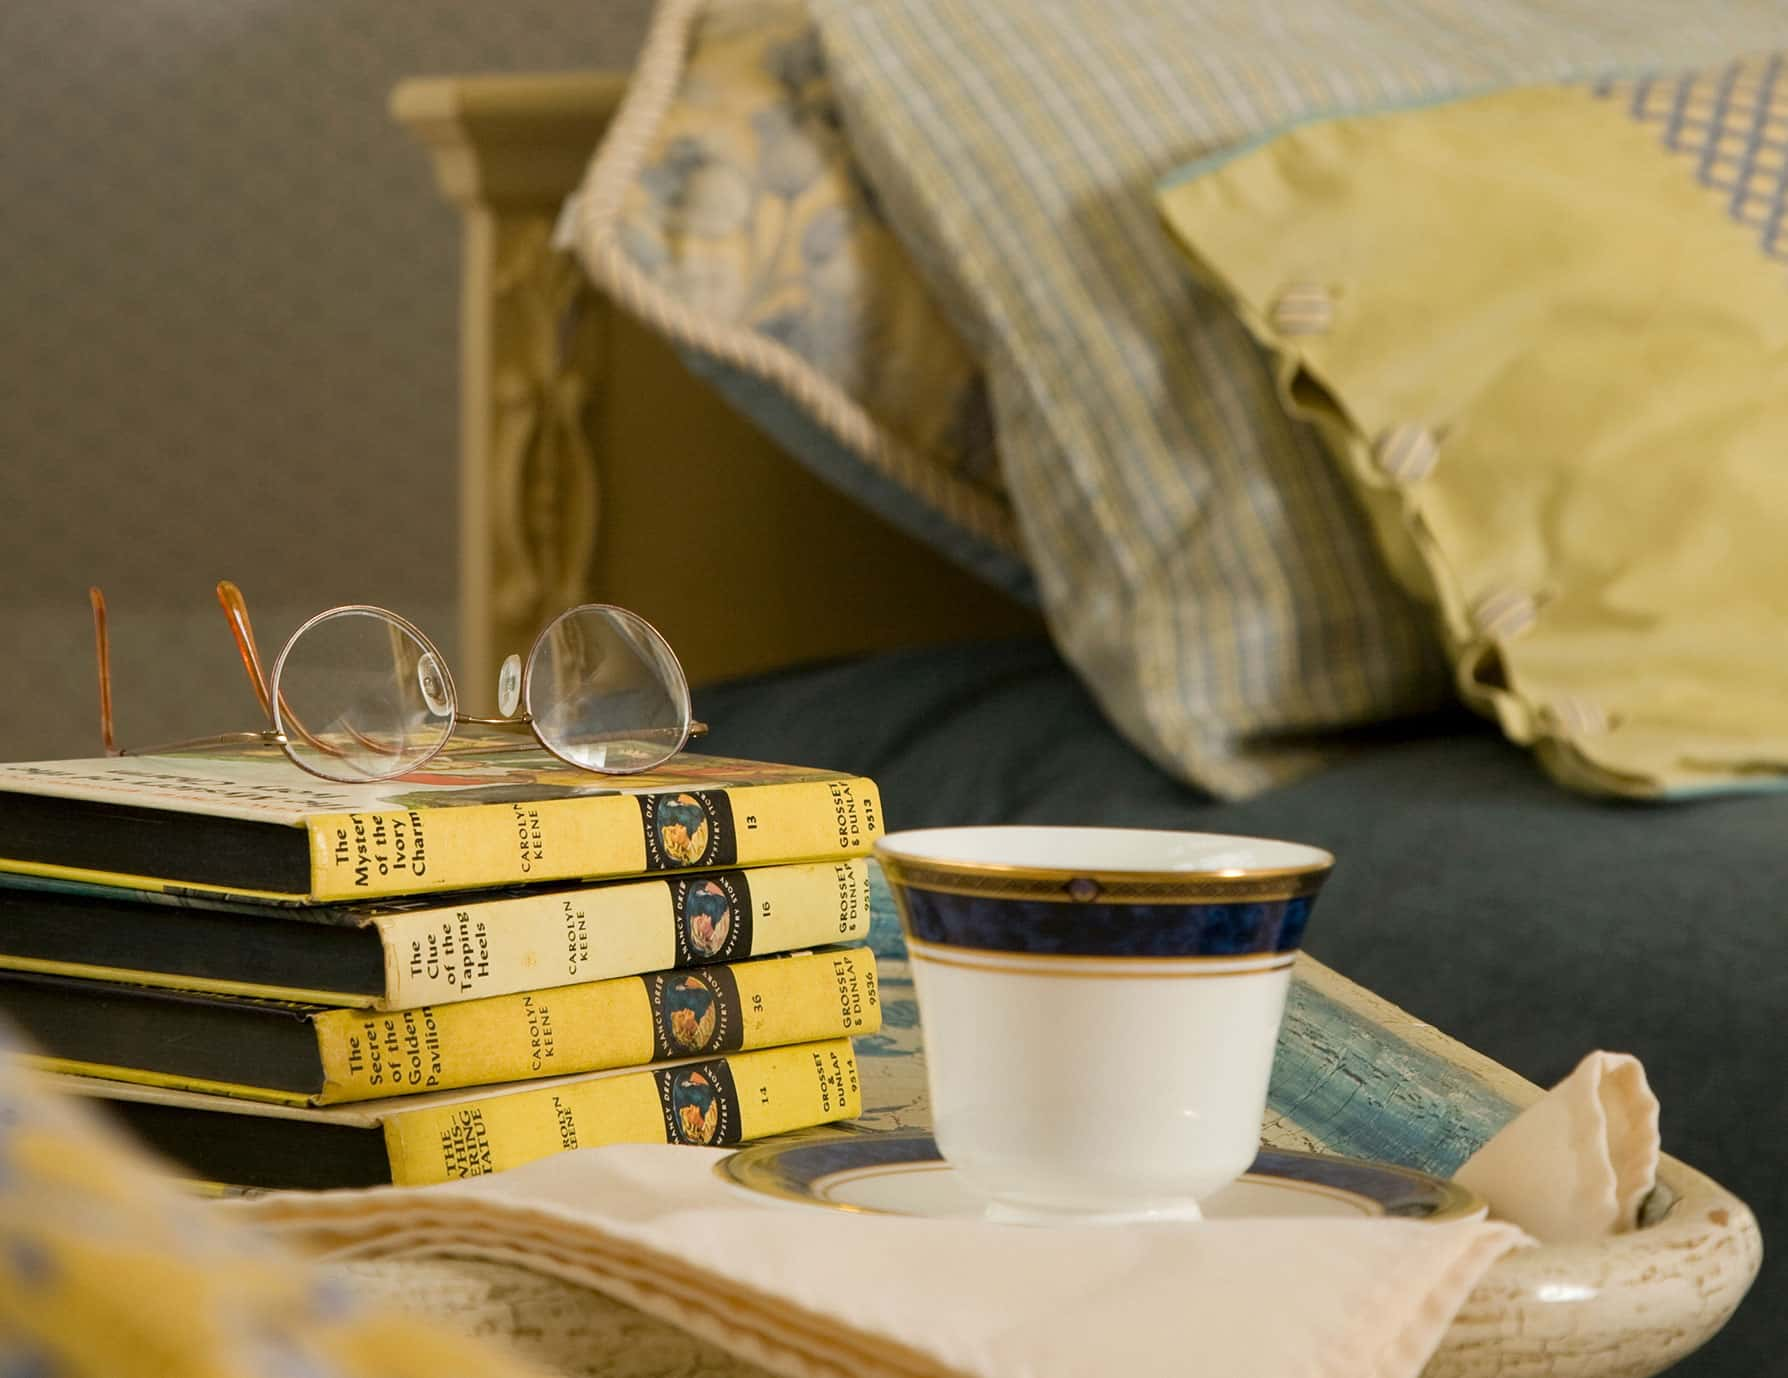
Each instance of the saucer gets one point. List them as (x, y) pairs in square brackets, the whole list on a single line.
[(904, 1174)]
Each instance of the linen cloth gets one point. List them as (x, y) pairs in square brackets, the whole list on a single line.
[(812, 1292), (1542, 331), (1201, 562), (1578, 1163)]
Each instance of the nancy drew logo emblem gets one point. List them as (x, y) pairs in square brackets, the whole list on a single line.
[(713, 918), (697, 1011), (700, 1105), (693, 829)]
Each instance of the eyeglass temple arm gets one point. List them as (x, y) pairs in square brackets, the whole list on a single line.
[(103, 647), (235, 608)]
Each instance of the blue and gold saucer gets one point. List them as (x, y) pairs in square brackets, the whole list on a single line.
[(904, 1174)]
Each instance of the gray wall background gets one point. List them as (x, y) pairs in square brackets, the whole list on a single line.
[(227, 333)]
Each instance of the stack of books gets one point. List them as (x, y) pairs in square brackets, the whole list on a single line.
[(282, 982)]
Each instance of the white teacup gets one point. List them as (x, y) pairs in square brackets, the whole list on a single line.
[(1100, 1007)]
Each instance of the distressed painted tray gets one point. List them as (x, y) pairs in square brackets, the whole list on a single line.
[(1354, 1075)]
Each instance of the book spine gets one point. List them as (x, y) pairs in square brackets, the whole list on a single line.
[(468, 846), (559, 938), (714, 1103), (621, 1023)]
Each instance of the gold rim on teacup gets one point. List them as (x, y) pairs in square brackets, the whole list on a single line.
[(1077, 885)]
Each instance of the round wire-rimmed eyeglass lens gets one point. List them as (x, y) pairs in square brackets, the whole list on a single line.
[(360, 694), (605, 691)]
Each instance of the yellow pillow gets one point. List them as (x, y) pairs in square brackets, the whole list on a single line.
[(1546, 331)]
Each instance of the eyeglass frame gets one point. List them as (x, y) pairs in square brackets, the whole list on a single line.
[(235, 608)]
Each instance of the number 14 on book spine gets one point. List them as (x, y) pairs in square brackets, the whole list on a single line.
[(726, 1101)]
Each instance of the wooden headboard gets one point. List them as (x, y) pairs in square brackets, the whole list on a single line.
[(593, 467)]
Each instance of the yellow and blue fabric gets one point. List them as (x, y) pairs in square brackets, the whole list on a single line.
[(1544, 331), (108, 1269), (1202, 563)]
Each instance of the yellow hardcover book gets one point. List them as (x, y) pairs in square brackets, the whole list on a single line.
[(584, 1028), (301, 1055), (406, 951), (749, 1096), (456, 1134), (254, 825), (561, 937)]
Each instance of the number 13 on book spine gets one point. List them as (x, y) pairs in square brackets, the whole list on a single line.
[(467, 846)]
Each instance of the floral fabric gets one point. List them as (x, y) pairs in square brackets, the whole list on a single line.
[(731, 215)]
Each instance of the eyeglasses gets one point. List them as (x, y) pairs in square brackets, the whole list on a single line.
[(359, 693)]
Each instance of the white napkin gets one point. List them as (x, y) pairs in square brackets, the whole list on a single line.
[(811, 1292), (1579, 1162)]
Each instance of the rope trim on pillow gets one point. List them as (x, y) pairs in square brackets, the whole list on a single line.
[(596, 218)]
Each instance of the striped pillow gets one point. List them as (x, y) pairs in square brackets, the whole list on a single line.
[(1201, 561)]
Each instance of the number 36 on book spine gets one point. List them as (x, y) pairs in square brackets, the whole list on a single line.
[(628, 1022)]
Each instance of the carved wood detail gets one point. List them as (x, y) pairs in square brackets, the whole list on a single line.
[(507, 151), (555, 380), (546, 359)]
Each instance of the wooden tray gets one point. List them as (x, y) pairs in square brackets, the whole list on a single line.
[(1354, 1075)]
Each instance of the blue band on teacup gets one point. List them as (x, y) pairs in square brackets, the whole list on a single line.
[(1042, 928)]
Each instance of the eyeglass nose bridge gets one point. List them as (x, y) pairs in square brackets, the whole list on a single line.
[(509, 692)]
